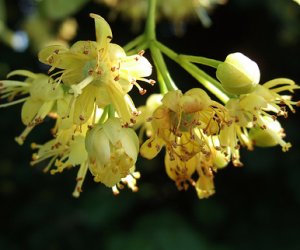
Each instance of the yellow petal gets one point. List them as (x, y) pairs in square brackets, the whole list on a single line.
[(103, 31), (151, 147), (78, 154), (130, 142), (84, 105), (30, 109)]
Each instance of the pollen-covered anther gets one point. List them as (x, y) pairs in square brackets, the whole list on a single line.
[(136, 112), (90, 71), (99, 72), (81, 118), (115, 190), (56, 145), (125, 125), (149, 119), (79, 179), (142, 91), (152, 82), (33, 145), (133, 121), (174, 144), (50, 60), (141, 53), (34, 157)]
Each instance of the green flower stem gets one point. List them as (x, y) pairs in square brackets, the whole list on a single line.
[(150, 23), (103, 117), (201, 60), (162, 85), (135, 42), (142, 46), (161, 67), (206, 80), (111, 111)]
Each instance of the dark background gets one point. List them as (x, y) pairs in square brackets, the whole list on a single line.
[(255, 207)]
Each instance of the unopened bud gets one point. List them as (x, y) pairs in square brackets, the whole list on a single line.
[(238, 74)]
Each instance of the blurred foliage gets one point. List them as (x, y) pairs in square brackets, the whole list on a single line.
[(255, 207)]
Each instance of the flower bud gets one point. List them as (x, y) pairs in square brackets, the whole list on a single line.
[(238, 74), (112, 151)]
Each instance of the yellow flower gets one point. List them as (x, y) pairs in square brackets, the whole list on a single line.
[(39, 102), (98, 73), (145, 113), (112, 151), (276, 103), (254, 111), (181, 171), (270, 135), (181, 122), (66, 151)]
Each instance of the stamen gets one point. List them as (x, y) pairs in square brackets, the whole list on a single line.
[(80, 179)]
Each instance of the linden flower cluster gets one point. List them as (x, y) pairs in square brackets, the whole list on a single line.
[(202, 136), (87, 95)]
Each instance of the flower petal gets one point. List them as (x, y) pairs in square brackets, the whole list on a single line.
[(103, 31)]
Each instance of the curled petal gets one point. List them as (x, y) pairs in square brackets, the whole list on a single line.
[(103, 31)]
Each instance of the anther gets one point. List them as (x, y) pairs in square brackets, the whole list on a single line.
[(141, 53), (142, 91), (136, 112), (152, 82), (50, 60)]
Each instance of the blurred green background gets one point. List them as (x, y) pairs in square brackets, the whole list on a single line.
[(255, 207)]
